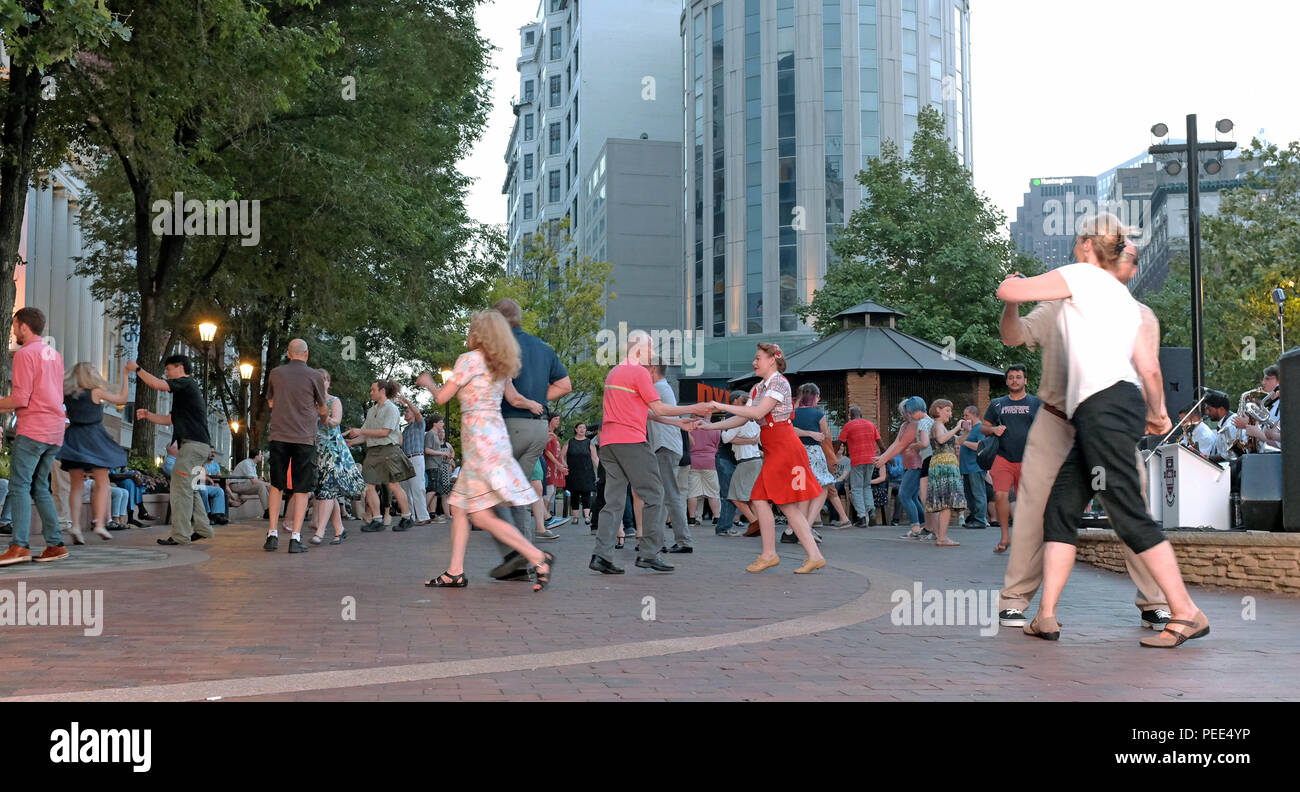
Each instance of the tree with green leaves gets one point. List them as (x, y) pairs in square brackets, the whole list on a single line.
[(927, 243), (44, 42), (564, 301), (364, 247), (1250, 248)]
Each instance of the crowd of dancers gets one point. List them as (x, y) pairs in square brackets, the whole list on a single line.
[(766, 451)]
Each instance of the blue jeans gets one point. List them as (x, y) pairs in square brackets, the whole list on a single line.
[(909, 494), (216, 499), (5, 519), (976, 499), (726, 514), (135, 490), (29, 480)]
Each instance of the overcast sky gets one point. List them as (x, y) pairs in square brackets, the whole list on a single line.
[(1059, 88)]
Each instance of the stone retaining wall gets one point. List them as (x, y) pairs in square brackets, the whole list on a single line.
[(1254, 560)]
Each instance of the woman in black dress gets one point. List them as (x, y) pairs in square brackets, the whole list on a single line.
[(87, 446), (580, 455)]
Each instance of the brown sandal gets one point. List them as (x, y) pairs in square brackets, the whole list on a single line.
[(1200, 628), (1048, 630)]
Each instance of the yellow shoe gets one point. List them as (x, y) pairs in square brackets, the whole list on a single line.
[(810, 566), (761, 564)]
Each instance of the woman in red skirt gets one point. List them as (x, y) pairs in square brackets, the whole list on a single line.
[(786, 478)]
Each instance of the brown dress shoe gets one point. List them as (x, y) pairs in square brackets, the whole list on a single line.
[(54, 553), (15, 555)]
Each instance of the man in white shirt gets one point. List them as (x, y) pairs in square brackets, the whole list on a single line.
[(1201, 435), (245, 481), (1216, 408)]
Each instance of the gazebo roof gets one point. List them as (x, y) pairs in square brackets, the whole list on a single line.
[(874, 344)]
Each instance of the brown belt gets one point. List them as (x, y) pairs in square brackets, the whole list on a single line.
[(1056, 412)]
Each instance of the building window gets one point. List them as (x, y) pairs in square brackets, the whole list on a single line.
[(787, 237), (719, 180), (528, 90), (528, 126), (753, 172), (529, 39), (528, 167), (555, 6), (555, 138), (557, 43), (553, 187), (555, 90), (528, 206), (698, 215)]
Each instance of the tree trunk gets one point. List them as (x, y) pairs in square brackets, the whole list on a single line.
[(16, 143), (149, 356)]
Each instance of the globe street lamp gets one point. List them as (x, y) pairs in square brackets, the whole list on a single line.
[(1192, 149), (245, 375)]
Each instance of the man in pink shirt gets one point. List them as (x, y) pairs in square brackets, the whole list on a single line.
[(625, 456), (37, 398)]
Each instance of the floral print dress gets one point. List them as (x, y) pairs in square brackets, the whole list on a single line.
[(333, 462), (489, 473)]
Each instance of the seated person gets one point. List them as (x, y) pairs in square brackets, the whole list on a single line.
[(118, 500), (245, 481)]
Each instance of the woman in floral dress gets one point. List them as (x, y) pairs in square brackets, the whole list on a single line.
[(945, 492), (333, 461), (489, 474)]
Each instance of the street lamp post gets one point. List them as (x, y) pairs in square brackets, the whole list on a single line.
[(1193, 148), (245, 375)]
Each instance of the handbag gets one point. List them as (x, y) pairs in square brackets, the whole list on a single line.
[(988, 451)]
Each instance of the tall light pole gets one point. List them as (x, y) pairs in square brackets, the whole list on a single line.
[(1279, 299), (246, 374), (1192, 149)]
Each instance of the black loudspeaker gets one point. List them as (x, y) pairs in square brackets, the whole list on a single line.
[(1261, 492), (1289, 374), (1180, 390)]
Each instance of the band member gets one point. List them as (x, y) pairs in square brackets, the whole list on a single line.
[(1273, 404), (1228, 439)]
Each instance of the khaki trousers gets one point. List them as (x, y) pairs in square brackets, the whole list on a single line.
[(1050, 440)]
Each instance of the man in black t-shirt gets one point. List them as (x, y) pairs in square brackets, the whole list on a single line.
[(188, 420), (1009, 417)]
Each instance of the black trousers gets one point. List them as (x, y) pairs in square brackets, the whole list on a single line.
[(580, 499), (1107, 426)]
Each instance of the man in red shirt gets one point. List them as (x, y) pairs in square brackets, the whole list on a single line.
[(625, 456), (37, 398), (862, 440)]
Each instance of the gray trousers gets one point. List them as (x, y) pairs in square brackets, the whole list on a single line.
[(189, 511), (633, 463), (674, 501), (860, 483), (527, 442)]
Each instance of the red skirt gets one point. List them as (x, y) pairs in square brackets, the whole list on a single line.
[(786, 476)]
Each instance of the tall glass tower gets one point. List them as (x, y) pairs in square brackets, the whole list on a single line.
[(784, 102)]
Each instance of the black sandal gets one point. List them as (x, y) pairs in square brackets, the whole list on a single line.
[(619, 544), (457, 581), (542, 579)]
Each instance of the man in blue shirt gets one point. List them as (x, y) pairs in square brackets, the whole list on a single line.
[(542, 378), (971, 473)]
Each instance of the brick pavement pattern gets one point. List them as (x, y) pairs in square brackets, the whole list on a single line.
[(227, 620)]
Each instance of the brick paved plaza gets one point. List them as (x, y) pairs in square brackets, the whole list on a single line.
[(226, 619)]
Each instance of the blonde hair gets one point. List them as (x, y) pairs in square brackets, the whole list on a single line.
[(1107, 236), (83, 376), (490, 334), (937, 405)]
